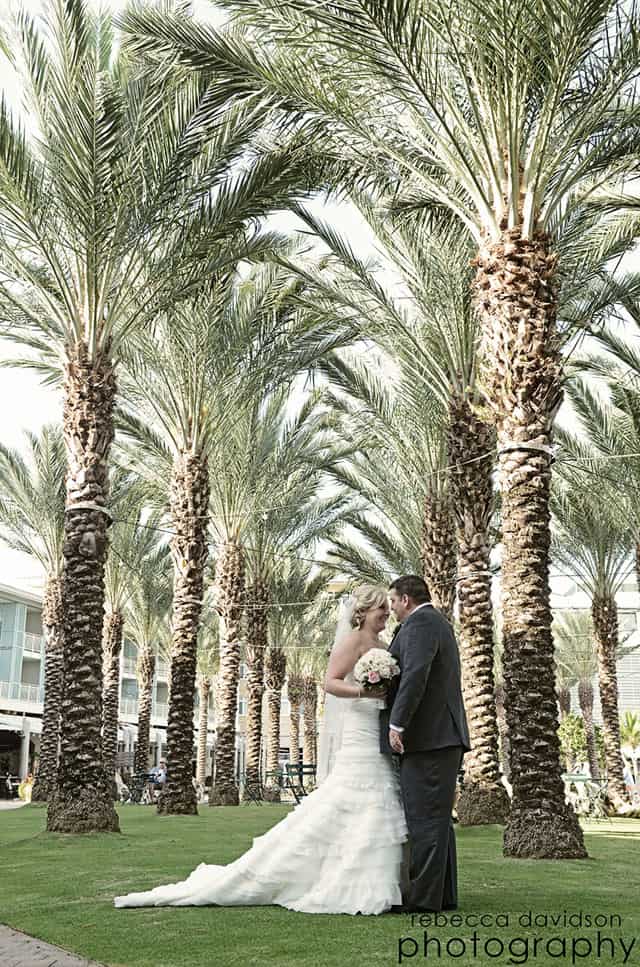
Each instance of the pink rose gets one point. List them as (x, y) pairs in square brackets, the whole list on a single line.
[(373, 677)]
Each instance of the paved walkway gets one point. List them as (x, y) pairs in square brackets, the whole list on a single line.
[(19, 950), (11, 803)]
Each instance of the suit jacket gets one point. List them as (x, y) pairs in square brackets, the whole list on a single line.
[(426, 698)]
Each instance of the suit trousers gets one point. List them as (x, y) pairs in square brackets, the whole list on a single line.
[(428, 784)]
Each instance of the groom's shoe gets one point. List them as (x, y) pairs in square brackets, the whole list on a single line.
[(404, 908)]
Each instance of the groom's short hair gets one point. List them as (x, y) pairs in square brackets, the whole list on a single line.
[(413, 586)]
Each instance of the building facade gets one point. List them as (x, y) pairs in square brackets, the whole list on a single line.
[(567, 596), (22, 695)]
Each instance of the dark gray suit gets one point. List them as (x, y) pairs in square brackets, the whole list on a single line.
[(426, 701)]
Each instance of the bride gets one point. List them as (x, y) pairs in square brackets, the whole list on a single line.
[(340, 849)]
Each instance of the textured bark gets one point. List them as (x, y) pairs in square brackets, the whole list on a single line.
[(230, 585), (516, 301), (585, 700), (310, 698), (82, 799), (295, 691), (275, 674), (564, 702), (257, 604), (189, 504), (605, 623), (471, 444), (44, 783), (111, 647), (145, 671), (439, 552), (204, 689), (503, 731)]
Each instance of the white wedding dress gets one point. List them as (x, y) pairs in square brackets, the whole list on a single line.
[(338, 851)]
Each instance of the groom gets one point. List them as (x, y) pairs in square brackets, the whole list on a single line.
[(425, 723)]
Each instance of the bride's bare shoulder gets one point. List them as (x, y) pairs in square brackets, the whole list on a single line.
[(349, 644)]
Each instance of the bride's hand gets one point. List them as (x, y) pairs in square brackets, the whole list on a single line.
[(375, 691)]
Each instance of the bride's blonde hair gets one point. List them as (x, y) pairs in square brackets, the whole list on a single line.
[(364, 598)]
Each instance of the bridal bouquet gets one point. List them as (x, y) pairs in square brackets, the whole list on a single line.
[(376, 667)]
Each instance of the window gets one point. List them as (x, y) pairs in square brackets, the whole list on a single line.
[(242, 706), (243, 669), (33, 622)]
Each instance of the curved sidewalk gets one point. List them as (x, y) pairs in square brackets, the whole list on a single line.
[(19, 950)]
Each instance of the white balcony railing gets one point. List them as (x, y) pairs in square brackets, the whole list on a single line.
[(33, 644), (128, 706), (129, 666), (17, 692)]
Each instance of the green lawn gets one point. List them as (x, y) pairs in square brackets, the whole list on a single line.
[(60, 889)]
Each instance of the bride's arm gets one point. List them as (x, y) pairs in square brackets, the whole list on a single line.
[(343, 658)]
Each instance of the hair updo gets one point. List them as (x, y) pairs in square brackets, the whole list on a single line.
[(365, 597)]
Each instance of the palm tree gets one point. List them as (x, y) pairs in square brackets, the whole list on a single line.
[(86, 261), (146, 624), (208, 664), (145, 674), (613, 424), (444, 450), (594, 540), (295, 694), (296, 592), (503, 731), (630, 738), (291, 456), (114, 213), (32, 496), (257, 600), (131, 544), (191, 378), (515, 121), (310, 709), (576, 658)]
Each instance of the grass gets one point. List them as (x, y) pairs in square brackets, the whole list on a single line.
[(60, 889)]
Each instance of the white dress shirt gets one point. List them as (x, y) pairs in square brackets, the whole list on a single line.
[(425, 604)]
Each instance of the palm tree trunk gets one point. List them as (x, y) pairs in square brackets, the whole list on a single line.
[(605, 623), (310, 697), (52, 621), (585, 698), (111, 648), (82, 800), (145, 671), (275, 674), (189, 503), (439, 552), (295, 691), (204, 688), (564, 702), (503, 731), (257, 602), (516, 301), (230, 582), (483, 798)]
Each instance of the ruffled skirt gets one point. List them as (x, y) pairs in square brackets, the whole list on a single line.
[(338, 851)]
